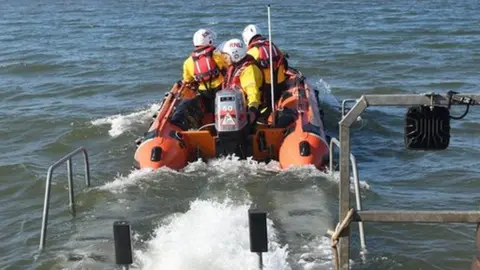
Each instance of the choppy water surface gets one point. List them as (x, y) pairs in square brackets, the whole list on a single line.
[(91, 73)]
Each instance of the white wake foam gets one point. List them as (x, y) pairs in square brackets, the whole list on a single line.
[(232, 165), (120, 183), (318, 255), (123, 123), (336, 178), (220, 167), (214, 235), (304, 216), (211, 235)]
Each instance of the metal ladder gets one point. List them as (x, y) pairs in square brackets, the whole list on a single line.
[(67, 158)]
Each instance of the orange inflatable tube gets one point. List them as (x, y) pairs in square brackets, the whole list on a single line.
[(162, 145), (307, 143)]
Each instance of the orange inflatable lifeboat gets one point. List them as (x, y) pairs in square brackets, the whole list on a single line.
[(293, 135)]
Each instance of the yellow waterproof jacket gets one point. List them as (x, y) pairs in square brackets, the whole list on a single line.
[(249, 78), (189, 73), (255, 52)]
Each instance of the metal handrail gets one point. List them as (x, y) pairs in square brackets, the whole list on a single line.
[(355, 184), (365, 101), (344, 102), (46, 204)]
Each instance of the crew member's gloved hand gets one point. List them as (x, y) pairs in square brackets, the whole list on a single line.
[(252, 114)]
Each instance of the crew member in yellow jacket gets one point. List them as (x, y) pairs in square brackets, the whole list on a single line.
[(259, 48), (205, 66), (204, 70), (244, 73)]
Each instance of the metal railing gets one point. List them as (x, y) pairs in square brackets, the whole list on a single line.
[(334, 141), (344, 104), (430, 99), (67, 158)]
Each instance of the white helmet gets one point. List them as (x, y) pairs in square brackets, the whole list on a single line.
[(204, 37), (235, 49), (249, 32)]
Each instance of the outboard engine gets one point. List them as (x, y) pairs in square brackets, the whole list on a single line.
[(231, 123)]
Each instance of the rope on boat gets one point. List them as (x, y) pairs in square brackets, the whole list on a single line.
[(336, 234)]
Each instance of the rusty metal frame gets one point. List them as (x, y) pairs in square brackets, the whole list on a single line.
[(429, 99)]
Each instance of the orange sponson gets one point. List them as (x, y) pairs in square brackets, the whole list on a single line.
[(306, 143), (303, 148), (162, 144), (161, 151)]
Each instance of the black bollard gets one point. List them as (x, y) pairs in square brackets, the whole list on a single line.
[(257, 222), (123, 244)]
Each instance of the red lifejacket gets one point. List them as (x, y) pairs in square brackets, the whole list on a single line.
[(233, 73), (204, 67), (263, 46)]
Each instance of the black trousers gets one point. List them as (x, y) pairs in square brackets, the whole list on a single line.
[(190, 112), (266, 107)]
